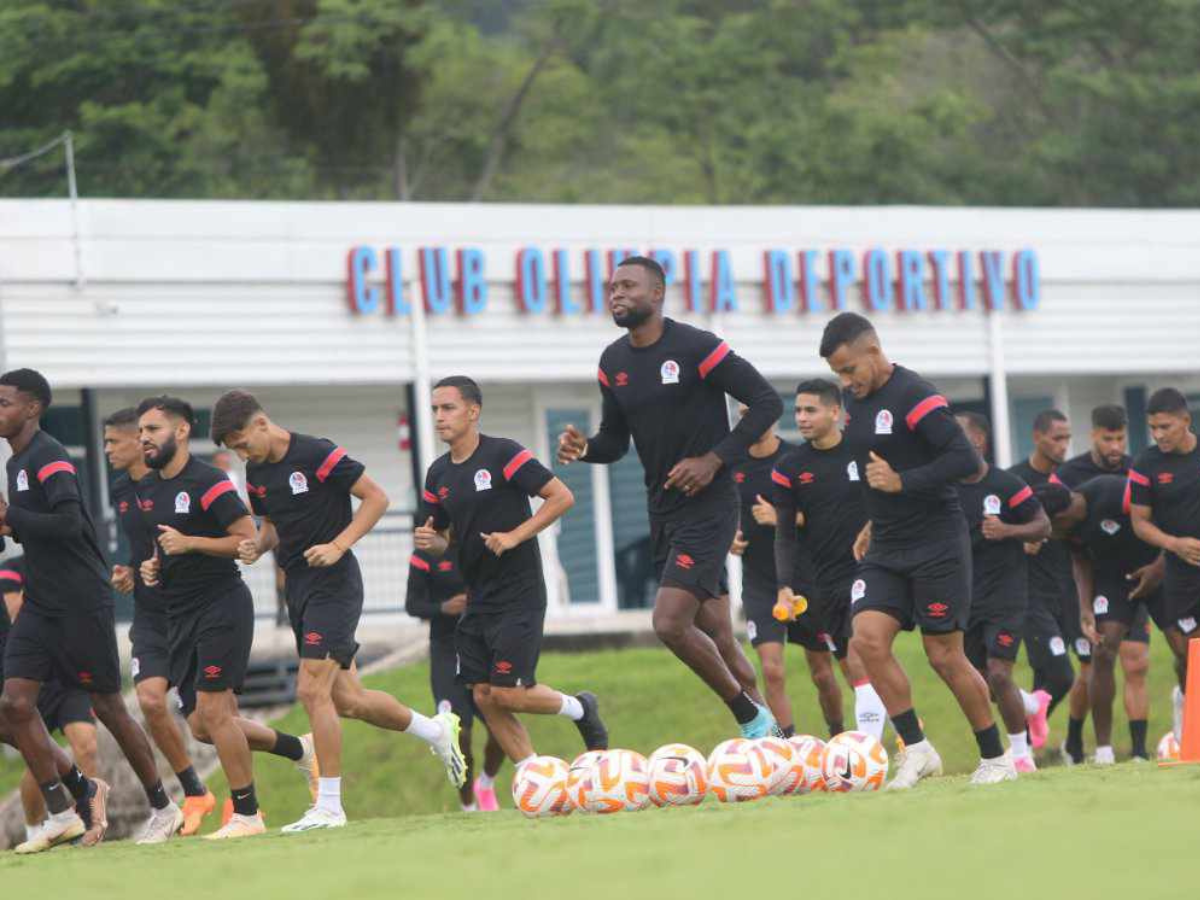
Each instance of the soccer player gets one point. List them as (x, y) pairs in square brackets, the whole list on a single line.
[(1164, 484), (66, 627), (1002, 515), (437, 593), (302, 487), (477, 497), (914, 551), (664, 384), (149, 633), (200, 522), (818, 486)]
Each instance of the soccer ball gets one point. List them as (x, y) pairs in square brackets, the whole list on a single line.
[(808, 752), (738, 770), (678, 776), (854, 761), (1168, 748), (785, 770), (580, 778), (620, 782), (539, 788)]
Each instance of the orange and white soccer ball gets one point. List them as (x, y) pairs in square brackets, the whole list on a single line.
[(854, 761), (620, 782), (785, 770), (809, 751), (539, 788), (738, 771), (1168, 748), (580, 777), (678, 776)]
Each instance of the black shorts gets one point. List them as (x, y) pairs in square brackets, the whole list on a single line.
[(1044, 640), (79, 649), (449, 695), (500, 647), (994, 634), (1181, 590), (62, 706), (1068, 620), (324, 606), (823, 628), (690, 549), (150, 635), (1111, 603), (927, 586), (210, 647)]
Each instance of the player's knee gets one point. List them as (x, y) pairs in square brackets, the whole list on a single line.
[(868, 647), (348, 705), (511, 699), (669, 629), (482, 695), (17, 708), (196, 726), (85, 749), (824, 680), (999, 678), (1105, 653), (1136, 665), (312, 693), (774, 672), (152, 702)]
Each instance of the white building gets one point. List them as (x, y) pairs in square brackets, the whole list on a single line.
[(335, 314)]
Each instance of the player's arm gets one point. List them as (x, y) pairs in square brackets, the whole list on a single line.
[(738, 378), (608, 444), (418, 599), (373, 504), (954, 459), (434, 535), (557, 499), (785, 538), (174, 542), (267, 540), (1031, 525), (1085, 585)]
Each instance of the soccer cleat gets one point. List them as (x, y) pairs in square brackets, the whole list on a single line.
[(309, 766), (51, 833), (1104, 756), (1024, 765), (761, 726), (994, 771), (316, 818), (196, 810), (1069, 758), (920, 761), (486, 798), (162, 825), (591, 727), (1177, 712), (1039, 728), (446, 748), (239, 826), (98, 811)]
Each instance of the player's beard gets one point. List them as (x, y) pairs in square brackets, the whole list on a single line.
[(631, 319), (163, 457)]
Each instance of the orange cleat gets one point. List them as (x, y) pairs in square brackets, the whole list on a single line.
[(196, 809)]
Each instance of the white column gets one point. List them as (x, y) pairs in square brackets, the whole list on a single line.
[(423, 424), (998, 378)]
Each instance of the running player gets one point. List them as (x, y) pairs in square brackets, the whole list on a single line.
[(200, 522), (149, 632), (1002, 516), (302, 487), (1164, 482), (818, 486), (915, 551), (664, 384), (66, 628), (477, 495), (437, 593)]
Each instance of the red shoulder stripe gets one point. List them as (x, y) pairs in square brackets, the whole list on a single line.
[(330, 461), (713, 359), (429, 497), (53, 469), (11, 575), (1139, 478), (924, 408), (1020, 497), (780, 479), (515, 463), (417, 563), (221, 487), (603, 378)]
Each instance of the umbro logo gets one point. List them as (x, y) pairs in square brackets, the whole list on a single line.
[(684, 561), (739, 477), (313, 639), (1166, 477), (212, 672), (807, 478), (622, 379), (1004, 639), (443, 492), (123, 507), (937, 610), (445, 565), (503, 667)]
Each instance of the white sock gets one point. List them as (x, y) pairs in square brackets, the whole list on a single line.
[(571, 708), (470, 807), (1030, 701), (65, 816), (31, 830), (1105, 754), (329, 794), (1019, 744), (486, 781), (521, 762), (869, 713), (424, 728)]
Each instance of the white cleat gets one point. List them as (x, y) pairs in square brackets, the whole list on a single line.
[(994, 771), (920, 761), (446, 748), (162, 825), (308, 766), (316, 818), (1104, 756), (239, 826), (1177, 712), (51, 833)]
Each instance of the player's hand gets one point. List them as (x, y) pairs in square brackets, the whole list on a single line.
[(881, 476), (3, 509), (739, 544), (320, 556), (862, 543), (788, 605), (1087, 624), (249, 552), (426, 537), (172, 541), (500, 542), (993, 529), (763, 512), (455, 606), (1187, 549), (122, 579), (1033, 548), (149, 570), (1148, 578), (572, 446), (694, 474)]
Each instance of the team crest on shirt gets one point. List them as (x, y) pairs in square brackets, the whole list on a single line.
[(1188, 625), (1057, 646), (483, 480), (852, 470), (858, 590), (1109, 527), (751, 629), (1100, 605), (883, 422), (183, 503), (991, 505), (670, 372), (298, 483), (22, 481)]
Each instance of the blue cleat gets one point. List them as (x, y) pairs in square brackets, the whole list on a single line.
[(761, 726)]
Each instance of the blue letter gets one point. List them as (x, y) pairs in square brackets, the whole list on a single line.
[(966, 281), (361, 298), (594, 277), (435, 280), (722, 297), (1027, 282), (691, 280), (395, 284), (940, 260), (472, 282), (666, 259), (878, 276), (531, 280), (912, 280), (777, 280), (809, 299), (563, 303), (841, 277), (992, 262)]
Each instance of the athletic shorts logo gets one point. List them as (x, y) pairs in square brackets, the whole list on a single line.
[(298, 483), (135, 667), (991, 505), (739, 477), (483, 480), (123, 507), (1100, 606), (145, 505), (1166, 477), (622, 379), (503, 667), (1188, 625), (212, 672), (806, 478), (183, 503), (883, 422), (828, 641), (443, 492), (751, 629), (22, 481), (937, 610), (1004, 639), (85, 677), (858, 590), (1109, 527), (1057, 646), (670, 372), (1082, 647), (313, 639), (852, 470), (445, 566), (684, 561)]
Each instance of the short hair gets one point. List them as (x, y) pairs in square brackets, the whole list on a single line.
[(653, 266), (978, 421), (466, 386), (825, 390), (843, 328), (1054, 497), (1110, 417), (31, 382), (172, 406), (232, 412), (1167, 400), (1044, 420), (125, 419)]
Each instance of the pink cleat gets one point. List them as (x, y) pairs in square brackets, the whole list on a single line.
[(1039, 728), (1024, 765), (486, 798)]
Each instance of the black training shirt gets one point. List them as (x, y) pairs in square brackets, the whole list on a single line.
[(752, 478), (1106, 533), (1169, 483), (431, 582), (137, 534), (1082, 468), (1005, 496)]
